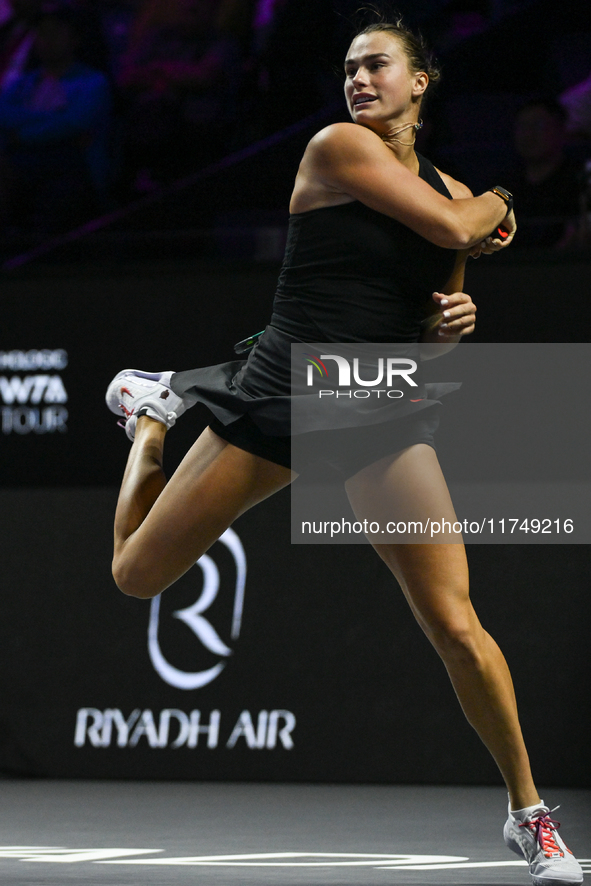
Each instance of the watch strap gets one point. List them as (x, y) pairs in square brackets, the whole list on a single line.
[(505, 195)]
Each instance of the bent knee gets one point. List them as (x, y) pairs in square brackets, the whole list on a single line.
[(134, 581), (453, 628), (456, 643), (457, 640)]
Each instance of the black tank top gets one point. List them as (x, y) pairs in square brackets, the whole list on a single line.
[(353, 274)]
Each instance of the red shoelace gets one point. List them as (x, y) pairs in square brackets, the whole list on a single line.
[(544, 829), (128, 412)]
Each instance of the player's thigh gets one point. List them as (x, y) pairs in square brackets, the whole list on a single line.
[(410, 487), (406, 497), (215, 483)]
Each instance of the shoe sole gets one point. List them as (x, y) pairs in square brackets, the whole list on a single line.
[(514, 846), (545, 881)]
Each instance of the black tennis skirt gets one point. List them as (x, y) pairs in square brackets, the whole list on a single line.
[(251, 404), (345, 451)]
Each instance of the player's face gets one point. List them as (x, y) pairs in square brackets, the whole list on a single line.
[(379, 87)]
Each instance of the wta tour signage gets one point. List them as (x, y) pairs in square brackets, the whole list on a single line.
[(32, 392)]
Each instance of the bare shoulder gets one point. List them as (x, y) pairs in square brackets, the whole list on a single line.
[(455, 188), (345, 139), (336, 156), (343, 132), (327, 152)]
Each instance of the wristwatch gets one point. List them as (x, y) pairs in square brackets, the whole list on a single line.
[(504, 194)]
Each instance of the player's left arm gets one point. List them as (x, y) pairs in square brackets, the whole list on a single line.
[(451, 313)]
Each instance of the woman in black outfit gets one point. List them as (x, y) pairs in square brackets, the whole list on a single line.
[(374, 227)]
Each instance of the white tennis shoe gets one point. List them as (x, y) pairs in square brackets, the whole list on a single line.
[(133, 393), (534, 835)]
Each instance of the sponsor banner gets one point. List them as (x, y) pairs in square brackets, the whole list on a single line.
[(328, 679), (193, 617), (32, 392), (146, 688), (66, 332), (223, 571), (173, 728)]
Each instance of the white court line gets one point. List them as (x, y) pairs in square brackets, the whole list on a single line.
[(467, 864), (271, 859), (61, 855), (375, 861)]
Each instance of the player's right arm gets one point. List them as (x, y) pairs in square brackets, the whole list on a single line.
[(353, 161)]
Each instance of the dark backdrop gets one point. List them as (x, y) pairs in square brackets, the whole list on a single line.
[(328, 678)]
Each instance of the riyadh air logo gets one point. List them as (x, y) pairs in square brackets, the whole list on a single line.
[(206, 641), (360, 379)]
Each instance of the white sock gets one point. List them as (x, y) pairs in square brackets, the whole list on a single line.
[(522, 814)]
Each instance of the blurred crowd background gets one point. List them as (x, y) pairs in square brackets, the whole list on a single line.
[(103, 102)]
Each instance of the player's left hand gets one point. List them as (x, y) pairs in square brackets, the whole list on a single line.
[(457, 315)]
